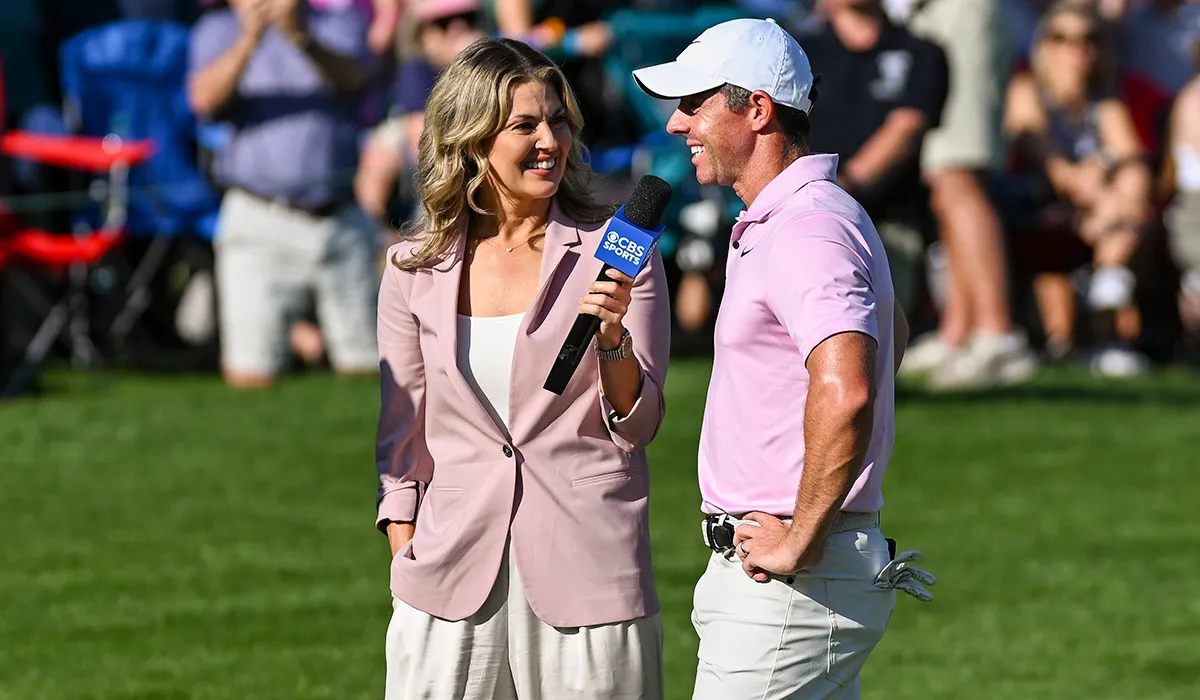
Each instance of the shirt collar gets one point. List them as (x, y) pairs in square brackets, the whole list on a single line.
[(805, 169)]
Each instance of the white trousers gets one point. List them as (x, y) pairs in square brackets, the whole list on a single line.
[(804, 637), (504, 652)]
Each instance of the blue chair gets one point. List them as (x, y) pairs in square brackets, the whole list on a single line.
[(127, 80)]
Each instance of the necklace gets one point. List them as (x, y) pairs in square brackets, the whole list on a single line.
[(512, 248)]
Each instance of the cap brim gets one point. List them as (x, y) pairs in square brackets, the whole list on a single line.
[(670, 81)]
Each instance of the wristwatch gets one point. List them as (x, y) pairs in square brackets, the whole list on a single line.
[(623, 351)]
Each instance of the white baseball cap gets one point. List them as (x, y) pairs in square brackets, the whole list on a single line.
[(753, 54)]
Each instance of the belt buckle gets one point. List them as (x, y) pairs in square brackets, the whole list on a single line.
[(718, 532)]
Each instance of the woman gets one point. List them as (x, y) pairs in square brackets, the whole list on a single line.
[(517, 517), (439, 30), (1084, 145)]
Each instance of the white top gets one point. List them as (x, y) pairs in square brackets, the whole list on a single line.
[(1187, 167), (898, 10), (485, 355)]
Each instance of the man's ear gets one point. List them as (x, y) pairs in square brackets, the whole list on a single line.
[(761, 110)]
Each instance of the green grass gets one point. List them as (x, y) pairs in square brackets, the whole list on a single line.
[(163, 538)]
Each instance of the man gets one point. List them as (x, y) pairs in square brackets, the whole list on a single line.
[(887, 89), (975, 345), (1181, 182), (798, 426), (287, 78)]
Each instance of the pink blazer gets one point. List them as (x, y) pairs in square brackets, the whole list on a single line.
[(567, 480)]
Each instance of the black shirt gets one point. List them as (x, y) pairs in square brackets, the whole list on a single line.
[(856, 93)]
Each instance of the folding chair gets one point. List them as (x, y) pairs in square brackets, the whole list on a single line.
[(74, 254), (127, 80)]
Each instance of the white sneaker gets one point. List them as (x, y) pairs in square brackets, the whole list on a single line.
[(925, 354), (1120, 362), (990, 359), (1111, 288)]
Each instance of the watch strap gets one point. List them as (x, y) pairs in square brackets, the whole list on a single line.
[(623, 351)]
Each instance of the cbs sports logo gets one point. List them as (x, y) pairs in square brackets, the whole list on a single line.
[(623, 247)]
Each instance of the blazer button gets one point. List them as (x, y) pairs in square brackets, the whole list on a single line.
[(507, 451)]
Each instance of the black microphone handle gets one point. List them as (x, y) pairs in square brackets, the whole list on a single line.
[(573, 348)]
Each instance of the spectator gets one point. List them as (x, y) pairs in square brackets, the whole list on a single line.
[(382, 18), (974, 345), (576, 35), (1081, 140), (571, 29), (1183, 217), (1155, 42), (287, 78), (1020, 17), (881, 90), (440, 29)]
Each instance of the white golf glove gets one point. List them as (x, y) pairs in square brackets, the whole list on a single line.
[(912, 580)]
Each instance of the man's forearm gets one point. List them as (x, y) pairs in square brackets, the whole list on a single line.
[(1061, 173), (343, 73), (836, 436), (879, 157), (211, 88)]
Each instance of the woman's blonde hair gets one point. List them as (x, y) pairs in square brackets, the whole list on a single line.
[(467, 108), (1038, 62)]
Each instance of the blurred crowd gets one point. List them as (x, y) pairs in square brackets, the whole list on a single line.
[(1033, 167)]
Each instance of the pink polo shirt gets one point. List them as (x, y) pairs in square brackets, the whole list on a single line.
[(805, 263)]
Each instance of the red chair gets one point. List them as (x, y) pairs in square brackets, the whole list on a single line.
[(24, 249)]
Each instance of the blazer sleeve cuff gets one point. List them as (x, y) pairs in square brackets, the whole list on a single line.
[(635, 430), (398, 505)]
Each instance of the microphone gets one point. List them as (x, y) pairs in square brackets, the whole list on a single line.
[(626, 246)]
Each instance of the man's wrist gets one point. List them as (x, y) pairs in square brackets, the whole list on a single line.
[(800, 539), (796, 539), (301, 39), (248, 42)]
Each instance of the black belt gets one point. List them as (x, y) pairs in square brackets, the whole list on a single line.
[(323, 211), (717, 530)]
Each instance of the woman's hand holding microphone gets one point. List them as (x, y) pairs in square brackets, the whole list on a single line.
[(610, 302)]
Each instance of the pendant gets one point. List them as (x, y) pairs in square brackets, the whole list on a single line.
[(508, 250)]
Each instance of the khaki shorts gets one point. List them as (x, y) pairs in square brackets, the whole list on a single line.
[(802, 636), (270, 260), (905, 246), (1183, 230), (979, 49)]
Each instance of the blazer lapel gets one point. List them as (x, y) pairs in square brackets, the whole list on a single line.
[(447, 280), (560, 256), (558, 260), (545, 328)]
